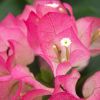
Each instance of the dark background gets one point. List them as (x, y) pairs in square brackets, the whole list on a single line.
[(80, 7)]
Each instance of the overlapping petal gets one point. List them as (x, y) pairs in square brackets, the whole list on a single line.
[(50, 32), (91, 88), (64, 95), (35, 94), (48, 29), (19, 81), (17, 33), (42, 7), (63, 82), (89, 33)]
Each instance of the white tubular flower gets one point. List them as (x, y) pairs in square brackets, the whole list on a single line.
[(66, 42)]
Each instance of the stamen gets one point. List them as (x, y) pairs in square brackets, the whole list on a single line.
[(66, 42), (95, 36), (67, 54), (58, 52)]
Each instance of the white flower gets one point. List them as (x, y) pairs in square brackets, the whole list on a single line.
[(65, 42)]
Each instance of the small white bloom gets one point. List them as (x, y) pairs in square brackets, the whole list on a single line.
[(65, 42)]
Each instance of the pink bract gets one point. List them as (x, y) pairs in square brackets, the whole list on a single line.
[(67, 83), (64, 96), (89, 33), (65, 87), (42, 7), (48, 29), (18, 83), (48, 32), (14, 30), (91, 88)]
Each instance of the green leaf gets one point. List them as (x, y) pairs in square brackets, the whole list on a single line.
[(46, 77), (93, 66)]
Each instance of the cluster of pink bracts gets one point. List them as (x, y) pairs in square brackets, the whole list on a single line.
[(48, 29)]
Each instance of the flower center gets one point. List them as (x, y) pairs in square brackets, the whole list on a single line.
[(58, 52), (63, 54), (95, 36), (66, 42)]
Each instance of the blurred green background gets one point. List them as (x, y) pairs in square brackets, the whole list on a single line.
[(81, 8)]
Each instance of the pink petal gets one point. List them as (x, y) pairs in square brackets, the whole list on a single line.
[(23, 74), (24, 52), (10, 21), (67, 82), (47, 22), (31, 23), (47, 32), (68, 7), (25, 14), (41, 8), (3, 70), (35, 93), (91, 88), (63, 96), (88, 31), (95, 27), (49, 27), (15, 33), (79, 58), (12, 85), (19, 72), (63, 68), (8, 89), (84, 30), (45, 6)]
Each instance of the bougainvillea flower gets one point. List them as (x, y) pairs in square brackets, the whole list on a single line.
[(65, 87), (63, 96), (11, 29), (91, 88), (36, 94), (89, 33), (42, 7), (56, 39), (67, 83), (17, 82)]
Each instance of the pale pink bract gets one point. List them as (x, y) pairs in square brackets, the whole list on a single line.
[(42, 7), (48, 29), (14, 30), (90, 34), (48, 34)]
